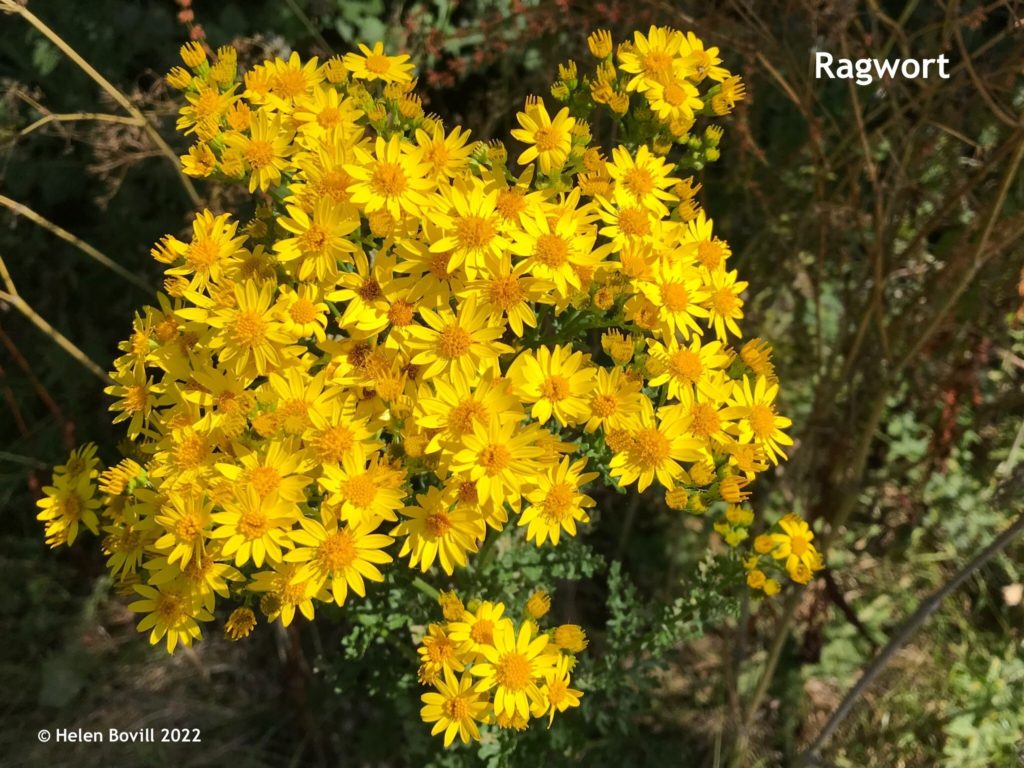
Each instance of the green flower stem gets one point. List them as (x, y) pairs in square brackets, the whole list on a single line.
[(425, 588)]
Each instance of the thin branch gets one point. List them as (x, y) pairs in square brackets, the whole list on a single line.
[(84, 247), (12, 7), (1002, 116), (72, 117), (927, 607), (309, 25), (12, 297)]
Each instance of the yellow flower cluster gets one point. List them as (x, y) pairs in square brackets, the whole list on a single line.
[(486, 669), (410, 340)]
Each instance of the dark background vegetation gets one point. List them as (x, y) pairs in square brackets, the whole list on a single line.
[(879, 228)]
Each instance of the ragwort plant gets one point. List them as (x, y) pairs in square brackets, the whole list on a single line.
[(414, 343)]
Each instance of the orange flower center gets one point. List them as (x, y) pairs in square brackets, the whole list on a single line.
[(551, 250), (494, 458), (360, 490), (705, 420), (338, 551), (546, 139), (377, 63), (249, 328), (474, 232), (264, 480), (650, 448), (686, 366), (675, 297), (437, 523), (558, 502), (762, 421), (505, 292), (633, 222), (514, 671), (604, 405), (555, 388), (388, 179), (259, 154), (454, 342)]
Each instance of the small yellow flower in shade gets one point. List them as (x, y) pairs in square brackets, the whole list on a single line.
[(67, 505), (438, 653), (285, 590), (451, 605), (240, 624), (179, 78), (794, 546), (756, 579), (172, 612), (771, 587), (732, 489), (455, 708), (677, 498), (556, 693), (599, 42), (570, 637), (763, 544), (538, 604)]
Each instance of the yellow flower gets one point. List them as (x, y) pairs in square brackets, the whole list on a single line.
[(538, 604), (393, 179), (557, 381), (462, 341), (724, 304), (319, 241), (339, 557), (455, 708), (600, 43), (285, 589), (186, 520), (240, 624), (557, 504), (614, 401), (365, 489), (373, 64), (754, 408), (794, 546), (438, 530), (654, 451), (549, 140), (475, 629), (255, 528), (652, 57), (67, 504), (570, 637), (172, 612), (514, 666), (644, 177), (499, 459), (446, 154), (556, 693), (264, 150)]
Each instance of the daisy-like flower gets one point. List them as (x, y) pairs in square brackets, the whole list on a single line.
[(700, 245), (678, 293), (499, 458), (464, 341), (320, 240), (285, 589), (471, 226), (249, 338), (288, 80), (438, 654), (654, 450), (455, 708), (437, 529), (475, 629), (255, 528), (172, 611), (549, 140), (365, 489), (652, 57), (373, 64), (394, 178), (684, 366), (558, 243), (754, 410), (614, 401), (793, 545), (447, 154), (644, 177), (211, 249), (265, 150), (558, 381), (302, 312), (674, 100), (455, 404), (276, 468), (557, 504), (556, 693), (66, 505), (324, 110), (514, 666), (339, 557), (185, 519), (508, 292), (724, 304)]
